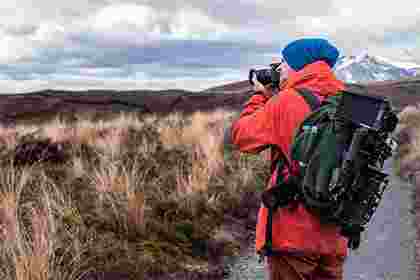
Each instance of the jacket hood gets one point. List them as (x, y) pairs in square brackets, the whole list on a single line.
[(317, 77)]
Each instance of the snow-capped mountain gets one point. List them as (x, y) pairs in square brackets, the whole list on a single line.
[(367, 68)]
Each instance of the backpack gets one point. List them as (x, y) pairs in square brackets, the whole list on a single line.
[(337, 158)]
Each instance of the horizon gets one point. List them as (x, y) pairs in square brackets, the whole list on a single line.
[(185, 44)]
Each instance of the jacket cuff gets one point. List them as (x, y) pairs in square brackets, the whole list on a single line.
[(256, 102), (258, 98)]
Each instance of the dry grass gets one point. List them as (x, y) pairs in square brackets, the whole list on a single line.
[(135, 195), (7, 137), (408, 132), (8, 210), (35, 265)]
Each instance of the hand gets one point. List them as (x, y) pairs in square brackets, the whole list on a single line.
[(258, 87)]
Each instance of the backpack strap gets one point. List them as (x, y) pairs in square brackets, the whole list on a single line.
[(314, 103), (310, 98), (267, 250)]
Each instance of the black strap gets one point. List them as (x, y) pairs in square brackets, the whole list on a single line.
[(310, 98), (281, 159), (267, 249), (269, 231)]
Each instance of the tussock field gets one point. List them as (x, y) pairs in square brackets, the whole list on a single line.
[(141, 195)]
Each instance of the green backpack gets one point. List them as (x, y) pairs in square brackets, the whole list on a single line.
[(337, 157)]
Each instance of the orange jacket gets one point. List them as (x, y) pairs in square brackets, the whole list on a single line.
[(273, 121)]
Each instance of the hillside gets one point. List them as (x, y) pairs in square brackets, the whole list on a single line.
[(43, 104), (46, 104)]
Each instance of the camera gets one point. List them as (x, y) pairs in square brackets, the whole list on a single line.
[(266, 76)]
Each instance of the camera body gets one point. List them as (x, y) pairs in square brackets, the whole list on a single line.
[(266, 76)]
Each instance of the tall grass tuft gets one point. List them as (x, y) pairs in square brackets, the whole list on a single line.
[(137, 195), (408, 133)]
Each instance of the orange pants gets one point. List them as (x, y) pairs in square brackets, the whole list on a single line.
[(305, 268)]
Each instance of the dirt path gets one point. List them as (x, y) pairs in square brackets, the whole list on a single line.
[(388, 251)]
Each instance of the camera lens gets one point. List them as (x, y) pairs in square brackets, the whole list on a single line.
[(263, 76), (252, 76)]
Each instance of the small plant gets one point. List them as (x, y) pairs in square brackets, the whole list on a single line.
[(35, 265)]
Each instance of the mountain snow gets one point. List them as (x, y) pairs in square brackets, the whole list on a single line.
[(366, 68)]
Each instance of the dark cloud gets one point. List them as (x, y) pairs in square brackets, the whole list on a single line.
[(242, 13), (19, 30), (168, 59)]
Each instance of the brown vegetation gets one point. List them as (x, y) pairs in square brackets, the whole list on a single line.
[(134, 196), (408, 134)]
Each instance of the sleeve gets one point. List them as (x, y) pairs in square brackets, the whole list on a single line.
[(257, 101), (253, 131)]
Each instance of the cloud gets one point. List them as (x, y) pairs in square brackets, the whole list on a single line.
[(18, 30), (84, 83), (245, 12), (185, 40), (24, 12), (169, 59), (373, 20)]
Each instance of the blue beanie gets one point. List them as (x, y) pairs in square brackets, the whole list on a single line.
[(306, 51)]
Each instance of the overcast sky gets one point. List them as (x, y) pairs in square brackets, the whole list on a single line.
[(187, 44)]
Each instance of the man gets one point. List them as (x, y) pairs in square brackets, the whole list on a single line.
[(311, 250)]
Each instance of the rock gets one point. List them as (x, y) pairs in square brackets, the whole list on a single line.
[(32, 151)]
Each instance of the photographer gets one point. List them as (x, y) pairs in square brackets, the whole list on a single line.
[(310, 250)]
